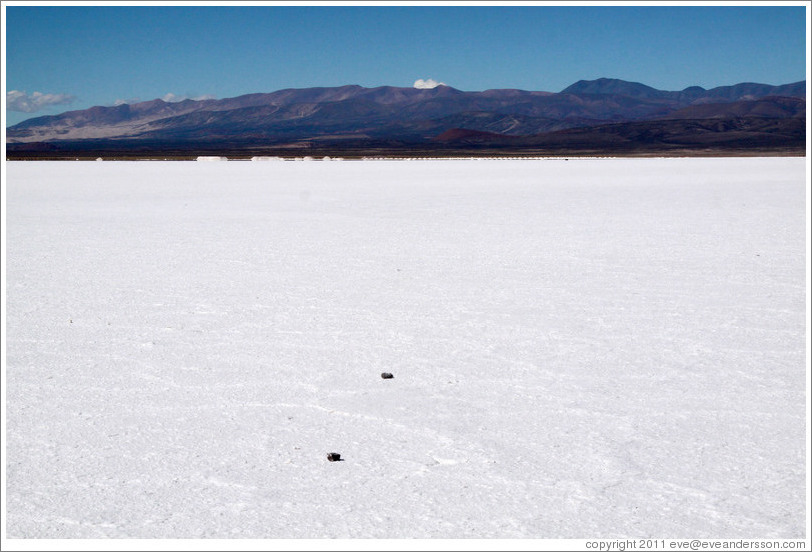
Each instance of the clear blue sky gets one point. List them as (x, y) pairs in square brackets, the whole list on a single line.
[(75, 57)]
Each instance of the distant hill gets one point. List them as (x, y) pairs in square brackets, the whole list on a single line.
[(672, 134), (690, 95), (615, 87), (409, 116), (771, 107)]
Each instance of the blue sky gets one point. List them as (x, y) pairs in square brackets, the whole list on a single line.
[(60, 58)]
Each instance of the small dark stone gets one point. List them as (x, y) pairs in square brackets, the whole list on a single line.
[(387, 375), (333, 457)]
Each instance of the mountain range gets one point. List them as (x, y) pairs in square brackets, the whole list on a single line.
[(603, 114)]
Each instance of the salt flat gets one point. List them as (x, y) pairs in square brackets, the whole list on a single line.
[(583, 348)]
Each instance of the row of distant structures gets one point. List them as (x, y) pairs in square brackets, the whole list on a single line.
[(262, 158), (384, 158), (216, 158)]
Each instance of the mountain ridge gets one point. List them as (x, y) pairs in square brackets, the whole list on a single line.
[(353, 112)]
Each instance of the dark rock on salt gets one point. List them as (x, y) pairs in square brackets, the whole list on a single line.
[(387, 375), (333, 457)]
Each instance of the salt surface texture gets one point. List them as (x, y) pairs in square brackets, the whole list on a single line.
[(583, 348)]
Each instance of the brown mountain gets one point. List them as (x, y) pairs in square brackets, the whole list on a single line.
[(468, 136)]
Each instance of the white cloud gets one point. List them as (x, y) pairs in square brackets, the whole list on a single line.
[(428, 83), (170, 97), (17, 100)]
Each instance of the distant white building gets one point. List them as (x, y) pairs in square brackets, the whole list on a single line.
[(211, 158), (263, 158)]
